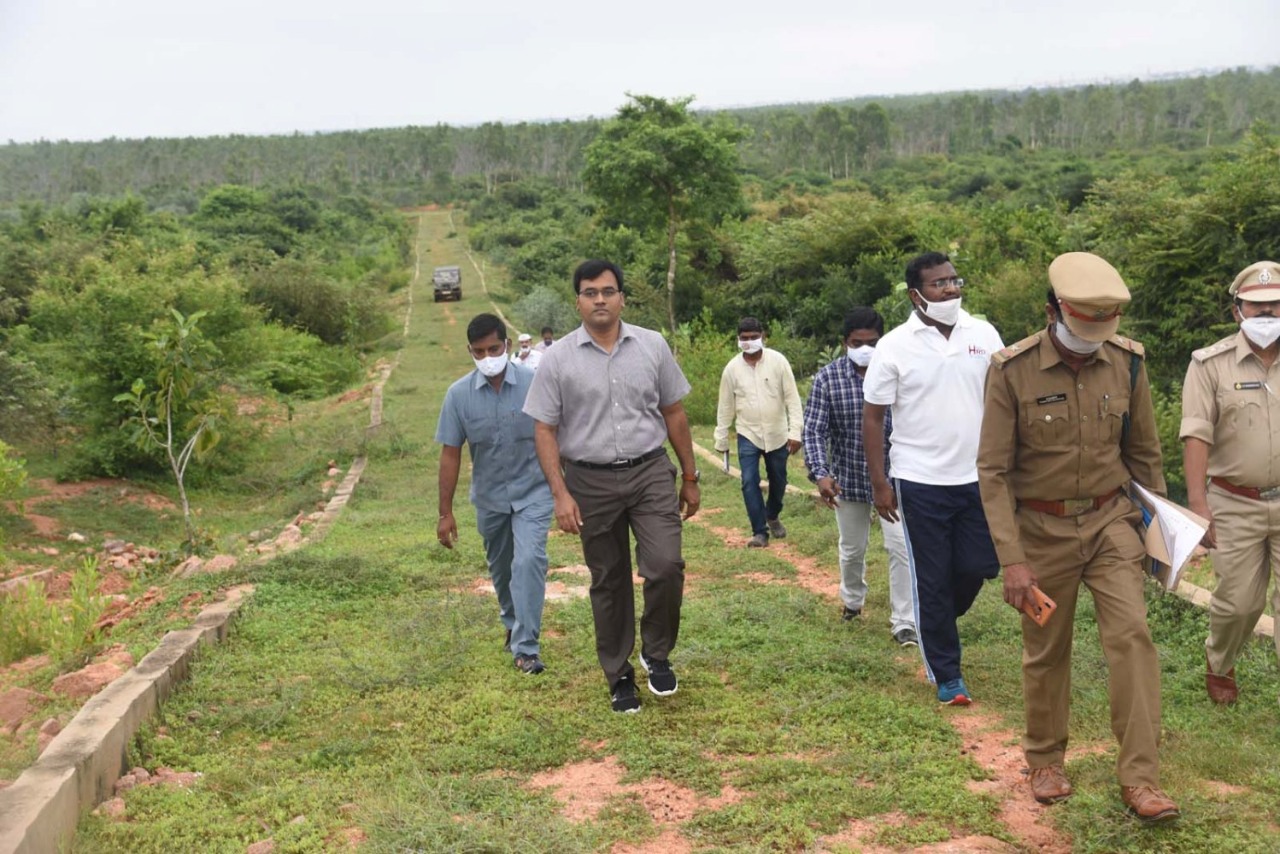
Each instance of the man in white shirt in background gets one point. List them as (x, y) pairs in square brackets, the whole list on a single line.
[(758, 395), (525, 354), (932, 371), (548, 338)]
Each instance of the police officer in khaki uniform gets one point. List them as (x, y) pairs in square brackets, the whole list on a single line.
[(1068, 423), (1231, 435)]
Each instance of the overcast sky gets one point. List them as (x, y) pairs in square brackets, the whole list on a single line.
[(90, 69)]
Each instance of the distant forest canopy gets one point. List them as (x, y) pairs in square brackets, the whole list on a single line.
[(814, 142)]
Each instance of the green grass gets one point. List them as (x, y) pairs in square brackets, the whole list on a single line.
[(365, 685)]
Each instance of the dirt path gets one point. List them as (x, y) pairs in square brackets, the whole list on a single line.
[(995, 748)]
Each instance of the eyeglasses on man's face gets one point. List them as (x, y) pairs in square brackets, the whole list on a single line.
[(595, 293), (949, 282)]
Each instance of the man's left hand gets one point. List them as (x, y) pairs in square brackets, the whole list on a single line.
[(690, 498), (447, 530)]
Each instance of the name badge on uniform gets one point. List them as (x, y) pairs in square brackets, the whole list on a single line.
[(1252, 384), (1051, 398)]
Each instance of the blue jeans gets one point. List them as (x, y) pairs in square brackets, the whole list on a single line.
[(775, 466), (515, 545)]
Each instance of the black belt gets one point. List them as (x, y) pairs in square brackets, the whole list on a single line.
[(620, 465)]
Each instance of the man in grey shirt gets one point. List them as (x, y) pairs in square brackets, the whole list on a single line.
[(605, 399), (512, 500)]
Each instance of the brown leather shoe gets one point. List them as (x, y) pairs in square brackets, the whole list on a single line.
[(1222, 689), (1050, 784), (1149, 804)]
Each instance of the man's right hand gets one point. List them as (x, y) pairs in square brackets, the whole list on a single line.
[(1018, 581), (568, 517), (886, 502), (828, 490), (1201, 509)]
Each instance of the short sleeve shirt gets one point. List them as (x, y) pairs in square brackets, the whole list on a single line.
[(607, 405), (1229, 401), (505, 474), (934, 384)]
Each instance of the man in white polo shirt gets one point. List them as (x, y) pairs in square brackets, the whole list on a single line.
[(931, 370)]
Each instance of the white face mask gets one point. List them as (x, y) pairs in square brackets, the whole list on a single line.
[(753, 345), (861, 355), (491, 366), (946, 312), (524, 349), (1262, 331), (1074, 342)]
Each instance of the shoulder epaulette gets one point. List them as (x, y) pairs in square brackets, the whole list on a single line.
[(1226, 345), (1026, 345), (1129, 344)]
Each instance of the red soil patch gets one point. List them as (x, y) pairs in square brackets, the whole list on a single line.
[(355, 394), (810, 574), (1225, 790), (584, 788), (51, 490), (113, 583), (999, 752)]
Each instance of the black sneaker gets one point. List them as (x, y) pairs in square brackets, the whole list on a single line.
[(847, 614), (530, 664), (776, 529), (662, 679), (624, 697)]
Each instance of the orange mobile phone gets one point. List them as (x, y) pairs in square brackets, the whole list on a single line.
[(1038, 606)]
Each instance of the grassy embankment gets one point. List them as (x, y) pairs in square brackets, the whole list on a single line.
[(365, 687)]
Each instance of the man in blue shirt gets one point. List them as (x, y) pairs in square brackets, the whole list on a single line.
[(837, 463), (513, 503)]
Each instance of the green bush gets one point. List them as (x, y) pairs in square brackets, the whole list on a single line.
[(545, 306), (31, 624), (703, 351), (297, 363)]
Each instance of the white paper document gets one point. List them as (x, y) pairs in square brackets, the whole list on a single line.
[(1172, 534)]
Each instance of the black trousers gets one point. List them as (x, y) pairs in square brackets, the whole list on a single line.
[(643, 502)]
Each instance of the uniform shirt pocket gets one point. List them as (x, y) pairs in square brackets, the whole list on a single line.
[(1047, 424), (1241, 408), (1111, 416)]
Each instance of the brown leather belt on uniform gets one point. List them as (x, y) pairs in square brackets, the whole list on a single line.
[(1069, 506), (1247, 491), (620, 465)]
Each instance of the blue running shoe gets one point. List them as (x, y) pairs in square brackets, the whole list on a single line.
[(954, 693)]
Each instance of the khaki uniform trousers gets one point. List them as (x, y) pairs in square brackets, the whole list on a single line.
[(1247, 554), (1101, 550)]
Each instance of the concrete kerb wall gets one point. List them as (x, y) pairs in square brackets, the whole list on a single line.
[(79, 768), (40, 811), (1194, 594)]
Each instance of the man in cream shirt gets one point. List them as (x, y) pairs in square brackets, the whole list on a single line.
[(758, 396)]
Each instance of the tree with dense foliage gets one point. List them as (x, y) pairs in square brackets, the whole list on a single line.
[(656, 166)]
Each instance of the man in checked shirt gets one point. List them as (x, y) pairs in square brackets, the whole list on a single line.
[(837, 462)]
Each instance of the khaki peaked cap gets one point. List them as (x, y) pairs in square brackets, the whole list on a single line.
[(1258, 282), (1090, 292)]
